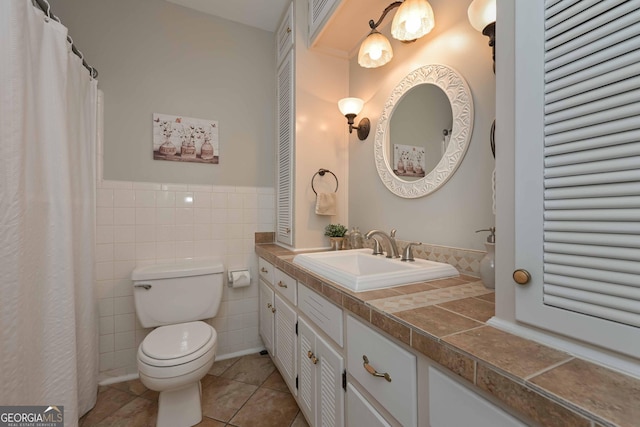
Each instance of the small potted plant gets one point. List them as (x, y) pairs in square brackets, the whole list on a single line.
[(336, 233)]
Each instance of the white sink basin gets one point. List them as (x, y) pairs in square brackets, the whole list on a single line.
[(359, 270)]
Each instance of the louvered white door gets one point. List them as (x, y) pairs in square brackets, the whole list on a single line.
[(578, 169), (285, 35), (319, 12), (286, 343), (285, 129), (266, 316), (307, 370), (330, 395)]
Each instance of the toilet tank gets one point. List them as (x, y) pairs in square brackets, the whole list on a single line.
[(180, 292)]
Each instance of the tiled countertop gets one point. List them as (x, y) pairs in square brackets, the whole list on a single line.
[(445, 321)]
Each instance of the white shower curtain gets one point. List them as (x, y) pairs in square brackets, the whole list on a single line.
[(48, 314)]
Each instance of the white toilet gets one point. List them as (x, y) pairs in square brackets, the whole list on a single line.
[(176, 355)]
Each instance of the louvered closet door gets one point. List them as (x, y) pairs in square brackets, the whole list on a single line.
[(578, 168), (284, 208), (319, 11)]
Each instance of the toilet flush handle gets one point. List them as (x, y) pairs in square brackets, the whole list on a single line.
[(146, 286)]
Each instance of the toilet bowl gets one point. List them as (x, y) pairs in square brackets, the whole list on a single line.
[(172, 360), (175, 356)]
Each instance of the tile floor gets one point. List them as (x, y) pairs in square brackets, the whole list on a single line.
[(245, 391)]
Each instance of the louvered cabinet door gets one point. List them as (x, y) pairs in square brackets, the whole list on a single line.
[(329, 391), (307, 370), (285, 342), (319, 13), (285, 35), (577, 150), (266, 316), (285, 154)]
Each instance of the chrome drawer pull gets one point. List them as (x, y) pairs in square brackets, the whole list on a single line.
[(282, 285), (264, 270), (145, 286), (372, 370)]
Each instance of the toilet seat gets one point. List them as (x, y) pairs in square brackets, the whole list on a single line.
[(175, 345)]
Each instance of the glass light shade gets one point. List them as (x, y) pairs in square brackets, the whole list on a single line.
[(375, 51), (350, 106), (482, 13), (413, 20)]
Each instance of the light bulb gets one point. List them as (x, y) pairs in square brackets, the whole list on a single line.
[(412, 24), (375, 52)]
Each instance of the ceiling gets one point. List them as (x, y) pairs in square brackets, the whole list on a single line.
[(263, 14), (348, 26)]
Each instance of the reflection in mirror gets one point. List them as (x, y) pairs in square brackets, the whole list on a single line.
[(447, 100), (419, 131)]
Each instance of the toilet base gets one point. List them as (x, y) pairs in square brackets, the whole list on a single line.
[(181, 407)]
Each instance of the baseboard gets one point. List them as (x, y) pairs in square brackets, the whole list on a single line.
[(118, 379), (129, 377), (239, 353)]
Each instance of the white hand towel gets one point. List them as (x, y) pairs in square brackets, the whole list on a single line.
[(326, 204)]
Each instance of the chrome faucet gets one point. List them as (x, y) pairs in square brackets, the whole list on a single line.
[(390, 238)]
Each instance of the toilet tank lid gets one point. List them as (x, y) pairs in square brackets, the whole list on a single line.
[(186, 268)]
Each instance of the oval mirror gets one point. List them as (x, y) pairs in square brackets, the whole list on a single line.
[(424, 131)]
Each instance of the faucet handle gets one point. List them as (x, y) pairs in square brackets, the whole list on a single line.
[(392, 234), (407, 254), (377, 247)]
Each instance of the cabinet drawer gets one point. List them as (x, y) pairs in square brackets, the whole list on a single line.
[(266, 270), (326, 315), (399, 395), (286, 285)]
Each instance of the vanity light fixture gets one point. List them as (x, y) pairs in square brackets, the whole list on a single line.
[(413, 20), (482, 16), (351, 107)]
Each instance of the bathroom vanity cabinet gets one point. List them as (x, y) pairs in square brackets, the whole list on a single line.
[(344, 371)]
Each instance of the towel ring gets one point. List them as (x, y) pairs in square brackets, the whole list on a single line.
[(321, 172)]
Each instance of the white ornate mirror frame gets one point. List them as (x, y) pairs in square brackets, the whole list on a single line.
[(457, 90)]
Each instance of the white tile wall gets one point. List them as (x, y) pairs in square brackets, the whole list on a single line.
[(147, 223)]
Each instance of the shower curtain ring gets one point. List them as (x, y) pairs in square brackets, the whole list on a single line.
[(46, 18)]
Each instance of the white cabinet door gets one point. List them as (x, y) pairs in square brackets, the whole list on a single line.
[(266, 316), (453, 405), (286, 343), (285, 35), (329, 391), (319, 13), (320, 392), (360, 413), (284, 156), (307, 370), (577, 185)]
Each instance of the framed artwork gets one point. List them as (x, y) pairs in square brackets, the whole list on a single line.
[(185, 139)]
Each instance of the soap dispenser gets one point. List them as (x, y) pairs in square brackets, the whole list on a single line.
[(488, 262)]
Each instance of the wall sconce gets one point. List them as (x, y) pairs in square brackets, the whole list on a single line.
[(351, 107), (482, 16), (413, 20)]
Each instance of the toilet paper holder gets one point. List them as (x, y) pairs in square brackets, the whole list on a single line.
[(239, 278)]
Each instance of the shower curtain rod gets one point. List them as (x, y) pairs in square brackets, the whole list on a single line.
[(46, 8)]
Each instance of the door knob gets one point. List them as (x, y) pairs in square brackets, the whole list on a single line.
[(521, 276)]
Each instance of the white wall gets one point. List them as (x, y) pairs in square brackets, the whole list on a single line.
[(321, 135), (141, 223), (449, 216), (156, 57)]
